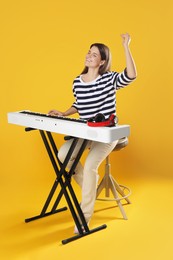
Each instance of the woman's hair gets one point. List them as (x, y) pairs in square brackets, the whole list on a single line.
[(105, 55)]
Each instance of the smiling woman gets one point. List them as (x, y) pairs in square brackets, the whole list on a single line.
[(95, 92), (98, 57), (42, 43)]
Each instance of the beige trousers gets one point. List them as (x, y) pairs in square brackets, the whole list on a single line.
[(87, 176)]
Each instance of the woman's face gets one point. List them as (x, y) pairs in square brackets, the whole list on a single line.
[(93, 58)]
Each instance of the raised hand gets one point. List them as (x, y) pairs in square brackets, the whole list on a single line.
[(126, 39)]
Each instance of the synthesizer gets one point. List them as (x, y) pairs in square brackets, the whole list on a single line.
[(68, 126)]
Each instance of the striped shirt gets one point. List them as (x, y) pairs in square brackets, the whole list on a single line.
[(98, 96)]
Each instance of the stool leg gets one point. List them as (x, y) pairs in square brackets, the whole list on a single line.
[(118, 188), (108, 183), (104, 184), (107, 186), (118, 200)]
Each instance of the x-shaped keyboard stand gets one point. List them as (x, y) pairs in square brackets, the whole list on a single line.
[(63, 178)]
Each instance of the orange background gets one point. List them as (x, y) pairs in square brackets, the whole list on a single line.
[(43, 45), (42, 48)]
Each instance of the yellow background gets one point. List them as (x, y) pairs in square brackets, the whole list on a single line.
[(42, 48)]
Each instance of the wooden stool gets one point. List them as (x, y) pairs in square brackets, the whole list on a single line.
[(120, 192)]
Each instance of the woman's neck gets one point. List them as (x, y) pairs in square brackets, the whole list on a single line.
[(90, 75)]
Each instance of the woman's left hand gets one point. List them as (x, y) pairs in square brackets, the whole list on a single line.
[(126, 39)]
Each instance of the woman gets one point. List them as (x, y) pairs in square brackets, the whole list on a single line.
[(94, 91)]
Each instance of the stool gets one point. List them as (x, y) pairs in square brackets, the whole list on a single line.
[(108, 183)]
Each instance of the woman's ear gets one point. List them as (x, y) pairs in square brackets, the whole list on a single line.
[(102, 62)]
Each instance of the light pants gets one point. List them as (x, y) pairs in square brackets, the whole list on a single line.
[(87, 176)]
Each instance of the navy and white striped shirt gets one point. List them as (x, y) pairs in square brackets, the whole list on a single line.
[(98, 96)]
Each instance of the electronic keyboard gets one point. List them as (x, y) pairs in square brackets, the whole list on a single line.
[(68, 126)]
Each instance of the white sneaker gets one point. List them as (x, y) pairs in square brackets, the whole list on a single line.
[(76, 231)]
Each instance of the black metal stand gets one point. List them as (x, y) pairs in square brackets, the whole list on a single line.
[(64, 179)]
